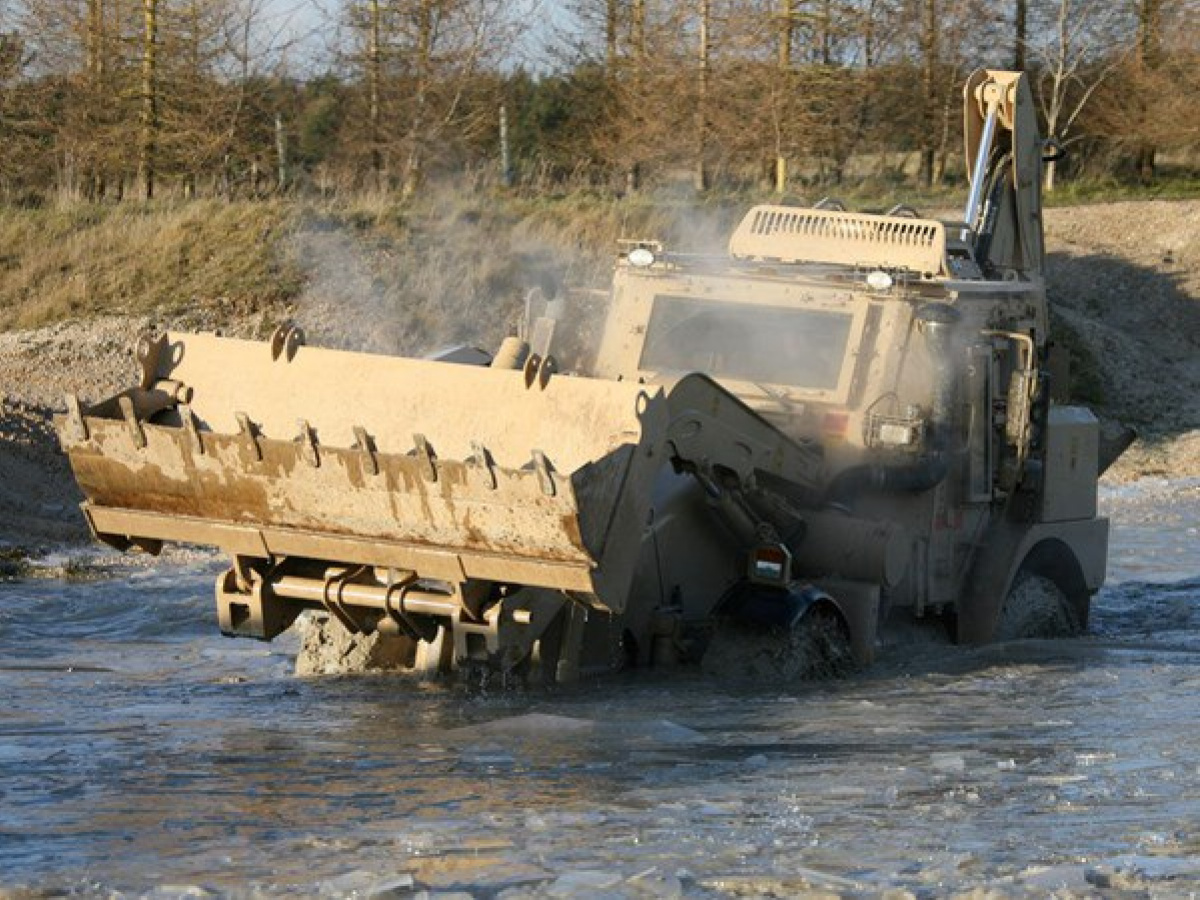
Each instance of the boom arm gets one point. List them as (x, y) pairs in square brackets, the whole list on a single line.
[(1004, 165)]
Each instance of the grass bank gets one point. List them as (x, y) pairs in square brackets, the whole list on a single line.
[(62, 263)]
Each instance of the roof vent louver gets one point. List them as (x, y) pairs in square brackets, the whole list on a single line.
[(795, 235)]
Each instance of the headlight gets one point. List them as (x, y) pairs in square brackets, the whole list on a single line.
[(903, 432), (896, 434), (879, 280), (641, 257)]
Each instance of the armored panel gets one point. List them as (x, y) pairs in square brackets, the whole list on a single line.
[(1072, 442)]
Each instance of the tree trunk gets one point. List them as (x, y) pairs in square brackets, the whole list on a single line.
[(929, 50), (505, 155), (1020, 36), (96, 68), (149, 149), (374, 80), (94, 38), (638, 30), (416, 145), (281, 153), (787, 27), (610, 38), (636, 88), (702, 79), (826, 33), (1150, 33), (1149, 58), (1146, 164)]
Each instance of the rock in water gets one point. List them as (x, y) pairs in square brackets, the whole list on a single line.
[(327, 648)]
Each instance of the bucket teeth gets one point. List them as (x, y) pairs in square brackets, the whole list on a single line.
[(308, 444), (545, 474), (249, 435), (366, 448), (192, 428), (481, 461), (425, 455), (76, 423), (131, 421)]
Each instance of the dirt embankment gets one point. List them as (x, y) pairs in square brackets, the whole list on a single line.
[(1124, 279), (93, 359)]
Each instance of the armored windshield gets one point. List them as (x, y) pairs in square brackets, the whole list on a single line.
[(747, 342)]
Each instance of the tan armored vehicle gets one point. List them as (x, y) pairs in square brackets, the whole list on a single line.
[(848, 419)]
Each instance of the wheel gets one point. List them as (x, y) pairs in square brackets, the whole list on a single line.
[(815, 647), (1036, 607)]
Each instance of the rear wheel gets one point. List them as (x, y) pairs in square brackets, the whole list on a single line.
[(1036, 607)]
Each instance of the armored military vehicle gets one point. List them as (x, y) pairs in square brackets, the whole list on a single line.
[(846, 420)]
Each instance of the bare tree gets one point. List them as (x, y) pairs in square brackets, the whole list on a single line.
[(148, 150), (1151, 102), (611, 26), (420, 62), (422, 78), (1081, 43), (1020, 34), (13, 60), (374, 63), (1149, 60), (703, 68), (784, 90)]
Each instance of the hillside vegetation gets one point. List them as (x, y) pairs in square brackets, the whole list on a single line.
[(83, 260)]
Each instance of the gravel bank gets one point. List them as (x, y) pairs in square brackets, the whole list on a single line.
[(1125, 278)]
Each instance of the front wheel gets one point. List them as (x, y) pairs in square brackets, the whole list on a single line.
[(1036, 607), (817, 646)]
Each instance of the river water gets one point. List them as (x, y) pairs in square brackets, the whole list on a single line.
[(143, 754)]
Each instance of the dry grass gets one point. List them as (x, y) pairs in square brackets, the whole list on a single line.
[(65, 263)]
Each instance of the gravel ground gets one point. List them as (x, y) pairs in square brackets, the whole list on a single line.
[(1124, 276), (39, 502)]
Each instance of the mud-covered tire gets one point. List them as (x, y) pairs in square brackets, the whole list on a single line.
[(1036, 607), (817, 647)]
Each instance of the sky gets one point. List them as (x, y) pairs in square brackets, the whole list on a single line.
[(309, 28)]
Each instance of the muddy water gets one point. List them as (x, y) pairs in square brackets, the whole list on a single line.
[(141, 753)]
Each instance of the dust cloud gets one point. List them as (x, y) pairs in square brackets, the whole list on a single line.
[(415, 286), (415, 283)]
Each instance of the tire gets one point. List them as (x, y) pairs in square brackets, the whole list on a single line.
[(1036, 607), (815, 648)]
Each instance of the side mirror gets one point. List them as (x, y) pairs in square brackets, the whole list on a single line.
[(1052, 150)]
